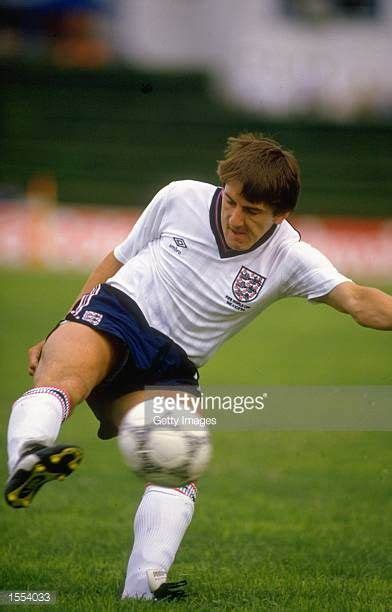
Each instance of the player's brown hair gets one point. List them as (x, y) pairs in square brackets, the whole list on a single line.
[(267, 172)]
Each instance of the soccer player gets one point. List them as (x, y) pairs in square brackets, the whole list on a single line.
[(200, 263)]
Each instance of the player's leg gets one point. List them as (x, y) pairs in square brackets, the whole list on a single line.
[(161, 520), (74, 359), (160, 523)]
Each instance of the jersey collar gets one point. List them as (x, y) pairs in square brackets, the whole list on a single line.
[(216, 226)]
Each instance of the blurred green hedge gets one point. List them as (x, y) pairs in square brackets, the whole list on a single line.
[(116, 136)]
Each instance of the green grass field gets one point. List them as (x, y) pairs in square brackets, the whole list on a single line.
[(284, 520)]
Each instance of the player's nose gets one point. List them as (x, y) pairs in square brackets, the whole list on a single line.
[(237, 217)]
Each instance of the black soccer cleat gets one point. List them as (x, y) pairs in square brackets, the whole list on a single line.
[(171, 591), (162, 590), (39, 465)]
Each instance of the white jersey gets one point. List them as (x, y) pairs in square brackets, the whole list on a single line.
[(192, 287)]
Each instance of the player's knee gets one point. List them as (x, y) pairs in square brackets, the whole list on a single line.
[(73, 383)]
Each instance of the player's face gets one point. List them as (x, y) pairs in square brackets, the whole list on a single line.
[(243, 222)]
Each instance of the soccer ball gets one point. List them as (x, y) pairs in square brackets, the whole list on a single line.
[(166, 451)]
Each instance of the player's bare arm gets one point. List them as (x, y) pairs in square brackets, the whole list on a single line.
[(368, 306), (107, 268)]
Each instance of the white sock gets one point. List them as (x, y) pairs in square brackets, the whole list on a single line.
[(160, 523), (36, 418)]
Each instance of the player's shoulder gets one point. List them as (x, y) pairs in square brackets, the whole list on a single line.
[(300, 254), (192, 189), (294, 250), (189, 197)]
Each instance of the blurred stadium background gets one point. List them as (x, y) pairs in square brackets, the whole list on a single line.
[(104, 102)]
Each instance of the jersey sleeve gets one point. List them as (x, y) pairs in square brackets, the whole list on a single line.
[(309, 273), (147, 228)]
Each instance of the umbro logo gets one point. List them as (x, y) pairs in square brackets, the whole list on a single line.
[(180, 242)]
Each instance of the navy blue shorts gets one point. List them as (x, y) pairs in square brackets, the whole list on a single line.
[(149, 358)]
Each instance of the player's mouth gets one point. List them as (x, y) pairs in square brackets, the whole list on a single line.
[(237, 234), (237, 239)]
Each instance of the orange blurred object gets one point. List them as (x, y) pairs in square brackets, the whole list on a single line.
[(78, 44)]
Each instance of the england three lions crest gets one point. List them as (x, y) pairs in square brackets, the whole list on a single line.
[(247, 285)]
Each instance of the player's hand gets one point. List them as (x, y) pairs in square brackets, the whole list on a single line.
[(34, 354)]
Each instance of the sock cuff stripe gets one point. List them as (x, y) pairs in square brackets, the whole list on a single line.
[(190, 490), (61, 395)]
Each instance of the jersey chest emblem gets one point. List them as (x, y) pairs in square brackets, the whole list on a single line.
[(247, 285)]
